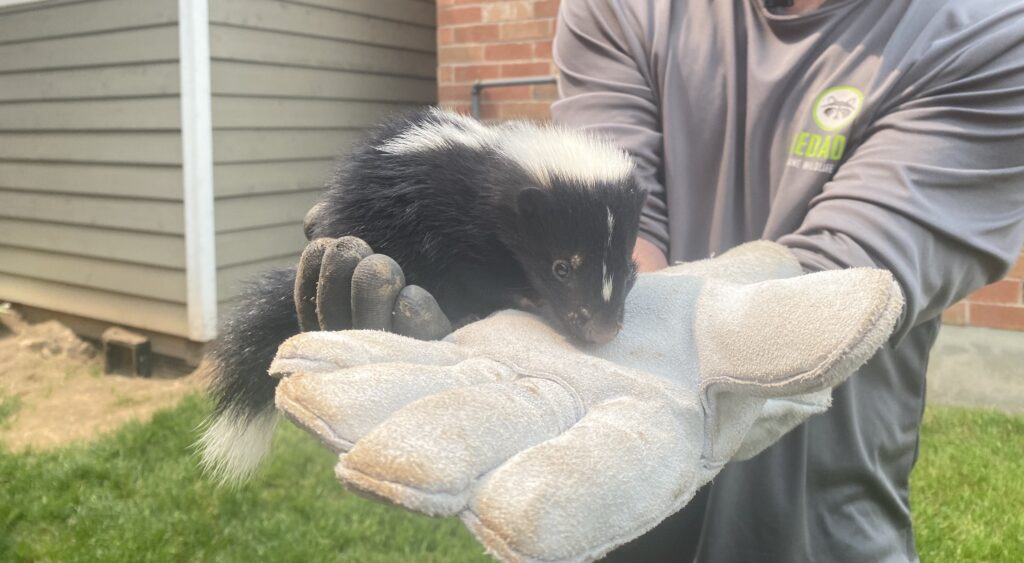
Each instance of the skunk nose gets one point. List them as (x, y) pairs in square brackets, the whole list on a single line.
[(600, 333)]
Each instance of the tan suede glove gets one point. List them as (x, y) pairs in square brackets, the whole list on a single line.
[(549, 452)]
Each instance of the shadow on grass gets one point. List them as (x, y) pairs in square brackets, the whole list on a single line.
[(137, 495)]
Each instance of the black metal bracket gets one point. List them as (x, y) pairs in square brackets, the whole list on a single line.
[(480, 85)]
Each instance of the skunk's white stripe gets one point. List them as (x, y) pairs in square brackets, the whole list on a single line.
[(233, 446), (545, 152), (606, 287), (434, 136), (447, 130)]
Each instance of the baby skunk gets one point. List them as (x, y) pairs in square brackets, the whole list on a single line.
[(482, 217)]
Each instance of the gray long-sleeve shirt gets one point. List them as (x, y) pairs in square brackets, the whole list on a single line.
[(884, 133)]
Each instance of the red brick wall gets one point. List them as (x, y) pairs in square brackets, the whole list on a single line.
[(1000, 305), (481, 39), (484, 39)]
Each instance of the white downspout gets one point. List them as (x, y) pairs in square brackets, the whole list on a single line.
[(197, 168)]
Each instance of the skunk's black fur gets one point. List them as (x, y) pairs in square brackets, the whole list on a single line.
[(479, 217), (264, 319)]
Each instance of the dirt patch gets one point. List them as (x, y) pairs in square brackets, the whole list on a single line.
[(53, 390)]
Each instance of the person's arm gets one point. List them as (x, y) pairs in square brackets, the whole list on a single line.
[(648, 257), (606, 86), (935, 192)]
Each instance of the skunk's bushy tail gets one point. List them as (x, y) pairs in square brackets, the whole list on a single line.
[(238, 434)]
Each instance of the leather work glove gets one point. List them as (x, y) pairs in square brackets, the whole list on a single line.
[(552, 452), (341, 284)]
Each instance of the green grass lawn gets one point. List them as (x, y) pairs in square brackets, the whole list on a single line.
[(967, 491), (136, 495)]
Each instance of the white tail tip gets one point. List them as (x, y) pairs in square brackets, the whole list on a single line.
[(233, 446)]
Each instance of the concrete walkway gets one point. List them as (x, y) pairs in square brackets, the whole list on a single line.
[(977, 367)]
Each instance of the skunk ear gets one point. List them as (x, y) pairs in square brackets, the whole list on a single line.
[(532, 201)]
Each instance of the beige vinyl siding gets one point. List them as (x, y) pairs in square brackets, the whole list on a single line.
[(273, 81), (157, 316), (118, 81), (419, 12), (294, 83), (31, 22), (91, 202), (121, 214), (166, 284), (91, 218), (111, 147), (123, 181), (161, 113), (149, 249), (253, 245), (118, 47)]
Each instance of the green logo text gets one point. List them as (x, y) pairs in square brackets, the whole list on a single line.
[(823, 147)]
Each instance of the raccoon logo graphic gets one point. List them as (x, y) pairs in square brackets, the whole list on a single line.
[(821, 148), (837, 107)]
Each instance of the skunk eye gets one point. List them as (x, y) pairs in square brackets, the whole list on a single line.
[(561, 270)]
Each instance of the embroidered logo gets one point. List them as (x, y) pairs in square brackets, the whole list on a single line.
[(821, 149), (836, 107)]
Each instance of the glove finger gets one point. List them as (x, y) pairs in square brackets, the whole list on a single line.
[(341, 407), (306, 278), (793, 336), (624, 467), (314, 217), (418, 315), (375, 286), (334, 292), (428, 454), (334, 351)]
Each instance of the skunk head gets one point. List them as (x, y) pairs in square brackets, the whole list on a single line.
[(575, 244), (576, 222)]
